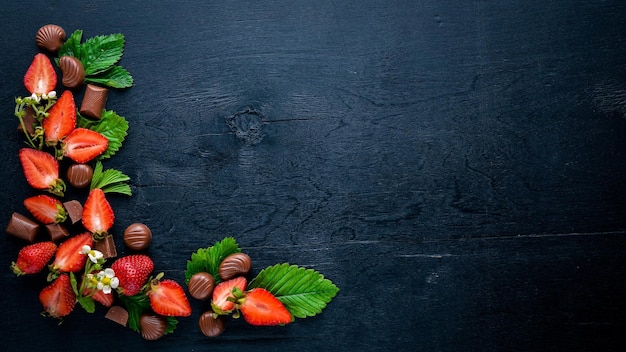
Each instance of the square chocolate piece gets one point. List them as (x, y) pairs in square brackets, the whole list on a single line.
[(22, 227), (107, 247), (57, 232), (74, 210), (93, 101)]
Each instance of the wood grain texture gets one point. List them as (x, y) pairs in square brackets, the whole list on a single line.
[(456, 168)]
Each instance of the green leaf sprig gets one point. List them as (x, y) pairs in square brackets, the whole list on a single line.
[(111, 125), (99, 56), (110, 180), (208, 259)]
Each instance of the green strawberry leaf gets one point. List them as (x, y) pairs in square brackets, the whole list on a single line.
[(171, 325), (101, 52), (111, 125), (72, 46), (135, 305), (209, 259), (114, 77), (304, 292), (87, 303), (110, 180)]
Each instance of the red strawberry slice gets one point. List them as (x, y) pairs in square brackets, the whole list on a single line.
[(98, 214), (69, 257), (61, 119), (106, 299), (83, 145), (58, 299), (168, 298), (41, 170), (221, 293), (33, 258), (46, 209), (260, 307), (40, 77), (132, 272)]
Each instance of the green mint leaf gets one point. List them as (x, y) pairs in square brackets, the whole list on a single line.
[(304, 292), (114, 77), (110, 125), (110, 180), (209, 259), (135, 305), (101, 52), (72, 46)]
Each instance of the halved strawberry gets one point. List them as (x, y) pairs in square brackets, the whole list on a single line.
[(46, 209), (40, 77), (260, 307), (61, 119), (132, 272), (32, 258), (106, 299), (168, 298), (83, 145), (58, 298), (97, 215), (220, 302), (69, 257), (41, 170)]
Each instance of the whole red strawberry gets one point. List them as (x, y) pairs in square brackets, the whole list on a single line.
[(132, 271), (58, 299), (32, 258)]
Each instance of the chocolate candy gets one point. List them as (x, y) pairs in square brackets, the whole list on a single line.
[(22, 227), (50, 37), (73, 72), (118, 315), (79, 175), (137, 236), (235, 265), (74, 210), (57, 232), (211, 325), (106, 246), (152, 326), (201, 285), (94, 101)]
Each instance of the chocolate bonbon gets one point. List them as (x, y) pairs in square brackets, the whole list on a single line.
[(79, 175), (234, 265), (107, 247), (152, 326), (73, 71), (50, 37), (201, 285), (211, 325), (57, 232), (137, 236), (22, 227), (94, 101)]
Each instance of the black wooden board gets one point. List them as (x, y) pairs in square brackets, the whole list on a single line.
[(457, 168)]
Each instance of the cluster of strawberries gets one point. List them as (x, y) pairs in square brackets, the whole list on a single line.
[(76, 268)]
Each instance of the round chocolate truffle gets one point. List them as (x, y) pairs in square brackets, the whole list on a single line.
[(201, 285), (210, 325), (234, 265), (79, 175), (137, 236)]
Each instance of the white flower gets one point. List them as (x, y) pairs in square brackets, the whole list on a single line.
[(35, 97), (93, 254), (107, 280), (52, 94)]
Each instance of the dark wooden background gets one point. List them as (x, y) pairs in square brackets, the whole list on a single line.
[(457, 168)]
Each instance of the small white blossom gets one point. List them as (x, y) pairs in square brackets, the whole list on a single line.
[(93, 254), (107, 280), (35, 97), (52, 94)]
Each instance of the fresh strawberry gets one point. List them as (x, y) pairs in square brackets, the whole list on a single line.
[(40, 77), (106, 299), (97, 214), (69, 257), (132, 272), (260, 307), (32, 258), (61, 119), (223, 291), (83, 145), (46, 209), (41, 170), (168, 298), (58, 299)]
